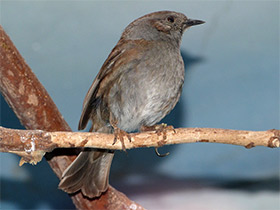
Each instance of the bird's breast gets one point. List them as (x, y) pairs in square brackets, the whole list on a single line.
[(145, 94)]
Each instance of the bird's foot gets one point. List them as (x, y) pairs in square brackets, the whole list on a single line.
[(160, 129), (120, 134)]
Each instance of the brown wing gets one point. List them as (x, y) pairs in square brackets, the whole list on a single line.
[(124, 57)]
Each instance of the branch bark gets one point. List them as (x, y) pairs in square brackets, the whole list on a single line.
[(33, 144), (36, 110)]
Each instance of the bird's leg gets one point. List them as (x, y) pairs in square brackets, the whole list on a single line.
[(159, 129), (119, 134)]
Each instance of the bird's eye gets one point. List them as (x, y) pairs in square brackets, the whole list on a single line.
[(170, 19)]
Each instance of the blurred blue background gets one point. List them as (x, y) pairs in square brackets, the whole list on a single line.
[(232, 81)]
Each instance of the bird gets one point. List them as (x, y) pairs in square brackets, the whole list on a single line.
[(138, 85)]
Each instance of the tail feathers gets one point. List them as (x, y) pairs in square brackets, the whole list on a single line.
[(89, 173)]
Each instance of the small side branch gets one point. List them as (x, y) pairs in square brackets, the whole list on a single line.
[(33, 144)]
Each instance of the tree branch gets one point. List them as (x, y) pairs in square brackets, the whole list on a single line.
[(36, 110), (33, 144)]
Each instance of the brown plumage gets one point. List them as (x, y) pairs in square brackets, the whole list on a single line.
[(138, 84)]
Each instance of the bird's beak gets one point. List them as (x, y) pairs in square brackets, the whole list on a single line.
[(191, 22)]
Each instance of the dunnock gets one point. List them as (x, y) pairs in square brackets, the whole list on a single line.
[(139, 83)]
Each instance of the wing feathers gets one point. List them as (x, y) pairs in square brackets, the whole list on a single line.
[(118, 62)]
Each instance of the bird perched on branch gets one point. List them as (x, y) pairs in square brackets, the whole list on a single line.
[(137, 86)]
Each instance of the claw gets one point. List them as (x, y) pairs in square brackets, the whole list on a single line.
[(160, 155)]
